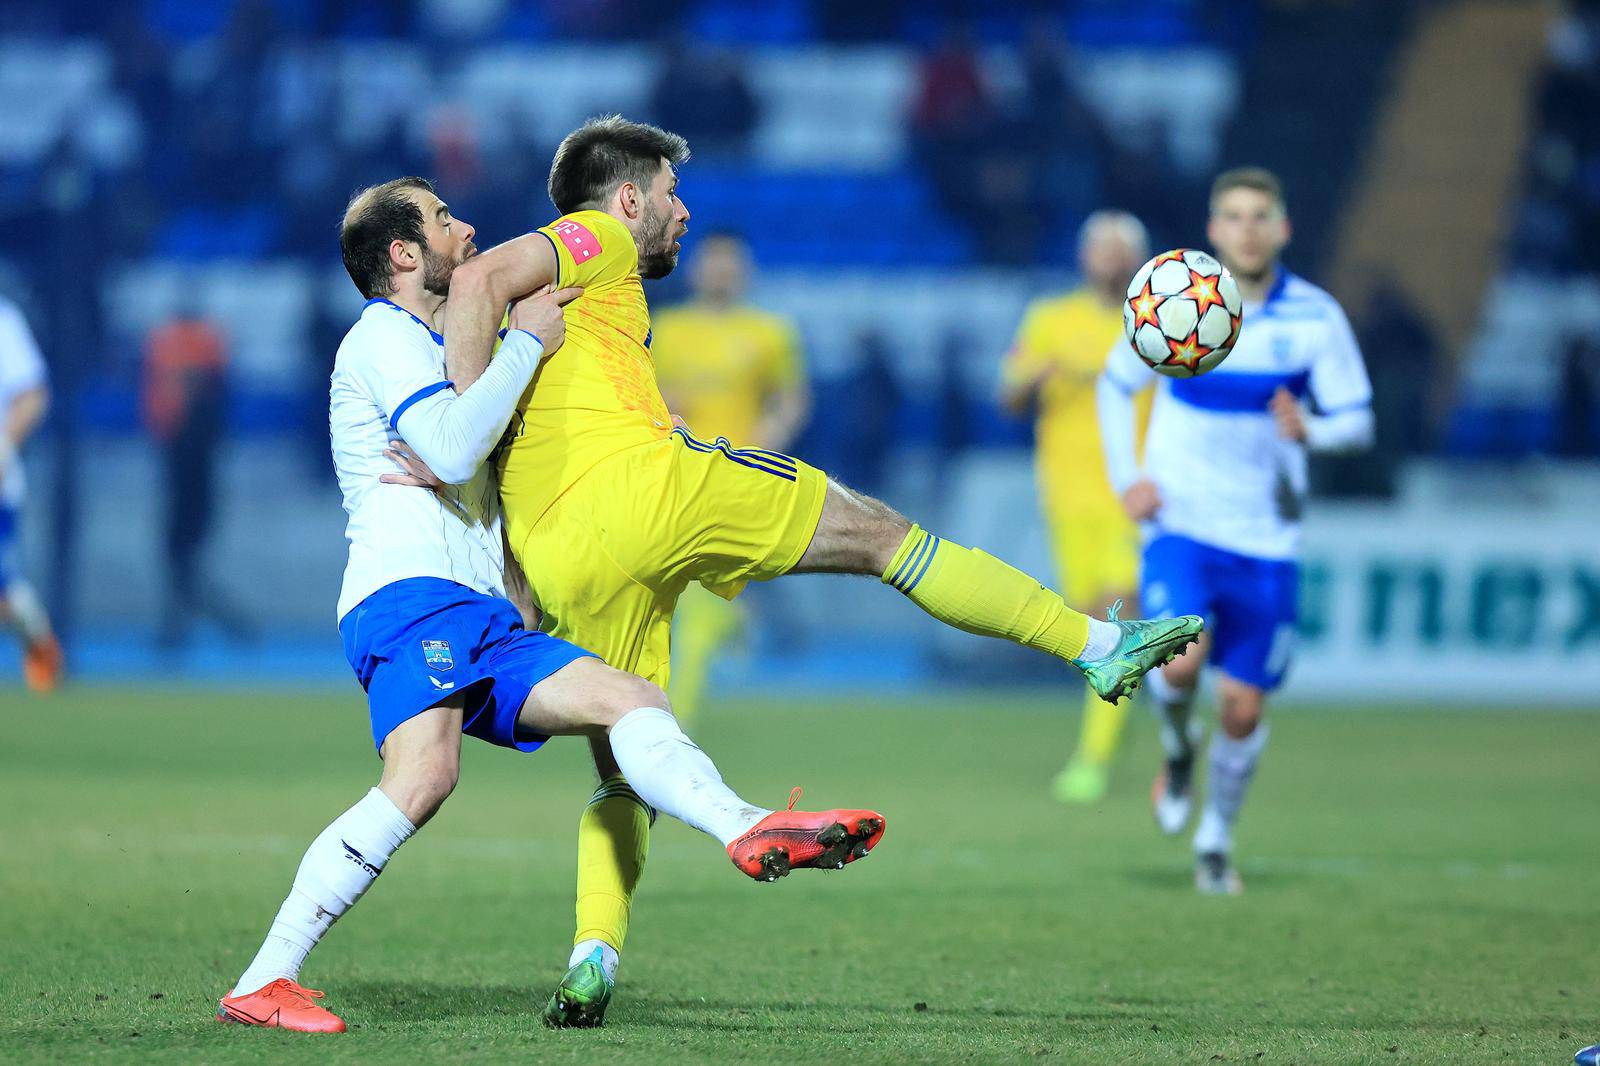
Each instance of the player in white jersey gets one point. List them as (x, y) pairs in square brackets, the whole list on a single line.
[(24, 398), (1220, 497), (424, 616)]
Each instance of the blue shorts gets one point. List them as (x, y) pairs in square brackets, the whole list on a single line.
[(1249, 604), (415, 643), (10, 565)]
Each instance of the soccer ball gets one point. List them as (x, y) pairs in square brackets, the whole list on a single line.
[(1183, 313)]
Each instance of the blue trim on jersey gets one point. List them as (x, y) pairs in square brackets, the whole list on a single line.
[(421, 394), (556, 251), (1237, 392), (437, 337), (1279, 283), (1354, 405)]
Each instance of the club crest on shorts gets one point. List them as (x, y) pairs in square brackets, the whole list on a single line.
[(436, 653)]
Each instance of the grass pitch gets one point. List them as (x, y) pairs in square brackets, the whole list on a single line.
[(1420, 888)]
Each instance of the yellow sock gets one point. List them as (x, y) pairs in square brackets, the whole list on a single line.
[(974, 591), (1101, 729), (701, 626), (613, 840)]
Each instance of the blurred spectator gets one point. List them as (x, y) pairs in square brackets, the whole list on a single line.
[(184, 397), (702, 94)]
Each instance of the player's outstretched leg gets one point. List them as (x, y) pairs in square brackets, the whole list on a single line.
[(421, 764), (971, 590)]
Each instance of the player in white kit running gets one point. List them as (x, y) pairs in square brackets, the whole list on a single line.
[(1220, 497)]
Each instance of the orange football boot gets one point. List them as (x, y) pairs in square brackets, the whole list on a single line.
[(282, 1004), (42, 663), (796, 840)]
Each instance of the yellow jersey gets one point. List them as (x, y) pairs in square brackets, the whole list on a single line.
[(597, 395), (1070, 335), (717, 368)]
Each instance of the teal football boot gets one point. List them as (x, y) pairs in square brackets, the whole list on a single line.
[(580, 1000), (1145, 645)]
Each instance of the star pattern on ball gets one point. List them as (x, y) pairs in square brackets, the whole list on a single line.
[(1203, 291), (1176, 255), (1186, 353), (1144, 307)]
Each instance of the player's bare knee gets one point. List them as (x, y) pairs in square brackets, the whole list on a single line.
[(419, 787), (1240, 712), (1182, 672), (624, 692)]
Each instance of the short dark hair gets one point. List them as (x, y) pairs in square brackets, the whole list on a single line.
[(1258, 178), (603, 153), (376, 217)]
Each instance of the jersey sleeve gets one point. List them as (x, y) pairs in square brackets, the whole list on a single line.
[(593, 250), (21, 365), (1338, 376), (1125, 369)]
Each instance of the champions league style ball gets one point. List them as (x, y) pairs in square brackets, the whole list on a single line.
[(1183, 313)]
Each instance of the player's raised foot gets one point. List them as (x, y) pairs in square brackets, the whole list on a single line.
[(280, 1005), (42, 664), (1214, 875), (794, 840), (581, 999), (1589, 1056), (1172, 794), (1081, 781), (1145, 645)]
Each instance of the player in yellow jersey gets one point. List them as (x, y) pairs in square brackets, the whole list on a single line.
[(611, 511), (728, 369), (1058, 355)]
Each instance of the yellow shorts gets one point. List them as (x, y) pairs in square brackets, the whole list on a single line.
[(607, 561), (1096, 553)]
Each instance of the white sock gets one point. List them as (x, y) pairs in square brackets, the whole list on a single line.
[(608, 956), (32, 622), (1179, 734), (1233, 764), (675, 777), (1103, 638), (338, 868)]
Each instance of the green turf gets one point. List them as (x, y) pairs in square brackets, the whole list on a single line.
[(1421, 888)]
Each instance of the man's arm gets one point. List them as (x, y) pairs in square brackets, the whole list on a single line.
[(480, 289), (1122, 380), (27, 410), (786, 411)]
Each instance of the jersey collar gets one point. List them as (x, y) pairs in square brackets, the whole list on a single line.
[(437, 337)]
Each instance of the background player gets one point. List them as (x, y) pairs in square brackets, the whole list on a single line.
[(426, 625), (612, 512), (24, 399), (1054, 363), (1221, 491), (729, 369)]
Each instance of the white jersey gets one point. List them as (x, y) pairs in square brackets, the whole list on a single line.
[(391, 362), (1226, 477), (21, 369)]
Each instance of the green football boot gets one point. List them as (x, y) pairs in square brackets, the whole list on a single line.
[(580, 1000), (1145, 645)]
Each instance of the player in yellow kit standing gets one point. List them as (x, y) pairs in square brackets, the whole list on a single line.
[(611, 511), (732, 370), (1058, 355)]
